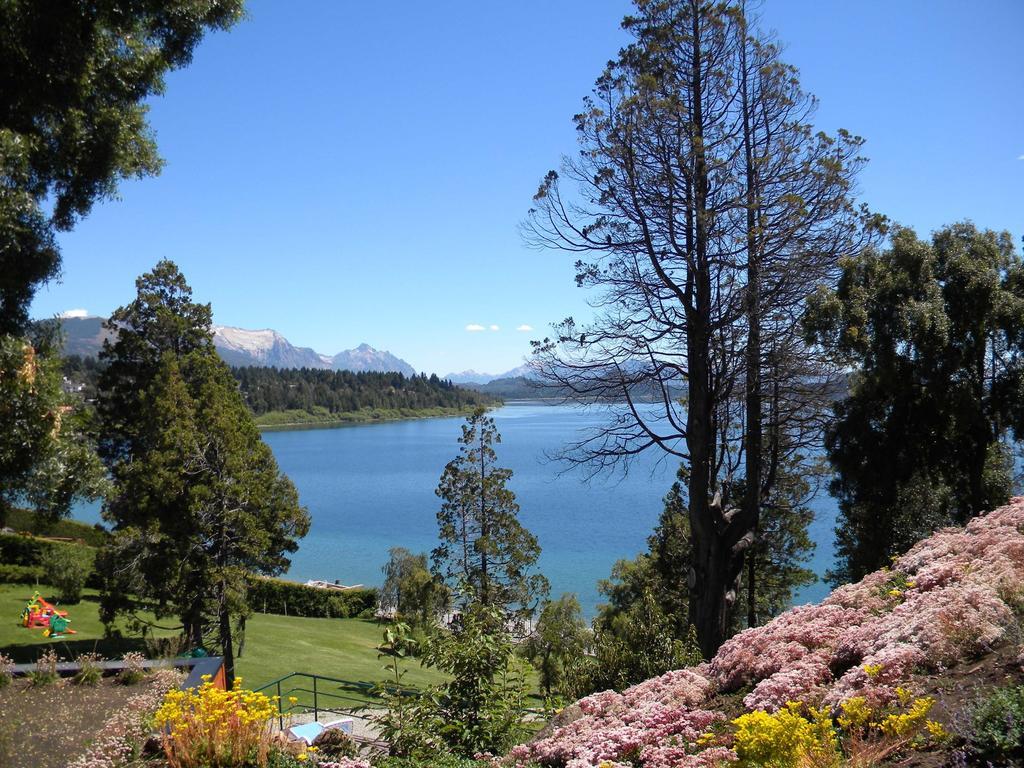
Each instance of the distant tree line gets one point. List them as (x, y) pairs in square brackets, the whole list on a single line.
[(273, 389)]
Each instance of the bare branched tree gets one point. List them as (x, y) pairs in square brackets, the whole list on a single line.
[(707, 211)]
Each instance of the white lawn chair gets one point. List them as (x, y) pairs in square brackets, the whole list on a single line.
[(308, 732)]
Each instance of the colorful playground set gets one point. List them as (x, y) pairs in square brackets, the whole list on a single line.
[(38, 613)]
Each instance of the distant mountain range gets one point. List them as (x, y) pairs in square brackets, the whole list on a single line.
[(473, 377), (243, 348)]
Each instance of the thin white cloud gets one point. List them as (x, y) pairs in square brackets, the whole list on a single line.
[(525, 327), (1020, 157), (73, 313), (474, 327), (495, 328)]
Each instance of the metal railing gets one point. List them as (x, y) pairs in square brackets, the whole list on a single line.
[(318, 693)]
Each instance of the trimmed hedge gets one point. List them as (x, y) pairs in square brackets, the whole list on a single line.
[(18, 553), (292, 599), (20, 574)]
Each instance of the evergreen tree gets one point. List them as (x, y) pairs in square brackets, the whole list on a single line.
[(485, 553), (708, 211), (934, 334), (199, 503)]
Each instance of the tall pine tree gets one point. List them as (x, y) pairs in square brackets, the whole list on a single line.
[(485, 552)]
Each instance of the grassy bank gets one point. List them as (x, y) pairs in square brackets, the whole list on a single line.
[(321, 417)]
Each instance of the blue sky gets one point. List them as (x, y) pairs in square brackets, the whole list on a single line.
[(347, 172)]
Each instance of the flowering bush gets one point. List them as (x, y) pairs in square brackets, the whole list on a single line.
[(949, 598), (6, 670), (786, 739), (124, 732), (210, 726), (134, 668)]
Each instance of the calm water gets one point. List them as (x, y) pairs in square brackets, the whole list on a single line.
[(371, 487)]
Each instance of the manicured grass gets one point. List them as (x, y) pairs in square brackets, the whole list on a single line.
[(24, 645), (341, 648), (274, 645)]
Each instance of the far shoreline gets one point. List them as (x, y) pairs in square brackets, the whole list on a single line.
[(359, 420)]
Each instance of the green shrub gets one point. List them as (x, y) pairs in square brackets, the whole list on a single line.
[(6, 670), (89, 670), (289, 598), (20, 574), (67, 568), (45, 671), (996, 733)]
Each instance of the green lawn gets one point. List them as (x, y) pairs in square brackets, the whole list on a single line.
[(274, 646), (25, 644)]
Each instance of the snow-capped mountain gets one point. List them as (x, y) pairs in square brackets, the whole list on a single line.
[(470, 377), (366, 358), (243, 347)]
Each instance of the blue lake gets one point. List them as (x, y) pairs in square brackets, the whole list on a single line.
[(371, 487)]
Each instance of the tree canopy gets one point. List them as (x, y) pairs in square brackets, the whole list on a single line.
[(74, 80), (934, 334)]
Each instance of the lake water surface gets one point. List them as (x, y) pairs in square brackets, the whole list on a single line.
[(371, 487)]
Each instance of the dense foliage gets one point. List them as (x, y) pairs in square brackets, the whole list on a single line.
[(47, 455), (935, 333), (995, 733), (410, 591), (481, 706), (274, 389), (558, 641), (73, 90)]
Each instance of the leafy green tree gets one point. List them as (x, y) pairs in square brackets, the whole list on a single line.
[(639, 644), (47, 453), (934, 334), (480, 708), (199, 502), (559, 639), (485, 552), (74, 84), (410, 590)]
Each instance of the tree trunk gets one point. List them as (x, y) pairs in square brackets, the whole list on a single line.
[(227, 649), (754, 448), (708, 577)]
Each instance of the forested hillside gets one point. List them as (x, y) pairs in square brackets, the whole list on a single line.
[(279, 396), (273, 389)]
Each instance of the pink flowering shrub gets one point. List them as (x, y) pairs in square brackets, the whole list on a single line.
[(952, 596), (124, 732), (345, 762)]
